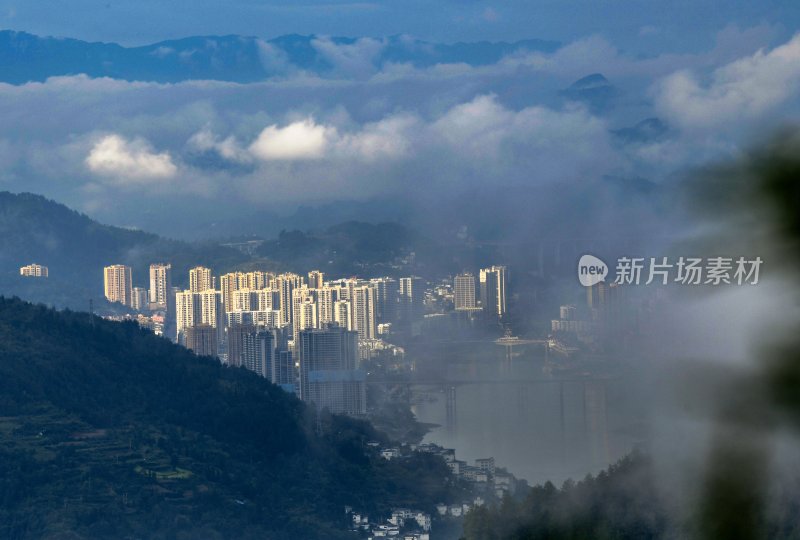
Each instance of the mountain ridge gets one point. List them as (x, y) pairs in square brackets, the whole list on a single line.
[(28, 57)]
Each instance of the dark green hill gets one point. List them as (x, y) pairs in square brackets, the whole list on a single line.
[(107, 431), (350, 247)]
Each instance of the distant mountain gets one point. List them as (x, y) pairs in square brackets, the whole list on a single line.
[(75, 248), (648, 130), (594, 90), (27, 57), (108, 431)]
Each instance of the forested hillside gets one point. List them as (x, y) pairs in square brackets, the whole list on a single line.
[(107, 431)]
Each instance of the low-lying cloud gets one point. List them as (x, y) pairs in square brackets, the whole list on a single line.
[(745, 89), (129, 160), (299, 140), (436, 132)]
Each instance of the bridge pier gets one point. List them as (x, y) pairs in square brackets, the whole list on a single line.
[(450, 409)]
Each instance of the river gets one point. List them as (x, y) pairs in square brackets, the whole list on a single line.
[(539, 423)]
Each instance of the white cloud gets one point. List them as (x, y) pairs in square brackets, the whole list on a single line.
[(115, 156), (387, 138), (229, 148), (472, 143), (308, 140), (353, 59), (274, 59), (744, 89), (400, 129), (300, 140)]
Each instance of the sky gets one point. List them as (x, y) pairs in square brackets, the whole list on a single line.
[(204, 158)]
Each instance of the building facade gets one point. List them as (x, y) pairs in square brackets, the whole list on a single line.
[(329, 374), (464, 292), (200, 279), (34, 270), (118, 284)]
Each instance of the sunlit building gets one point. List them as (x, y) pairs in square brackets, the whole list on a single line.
[(117, 284), (363, 312), (200, 279), (493, 291), (316, 279), (160, 284), (34, 270)]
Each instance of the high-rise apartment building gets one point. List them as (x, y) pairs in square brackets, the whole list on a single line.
[(363, 312), (254, 280), (411, 304), (329, 377), (343, 314), (493, 291), (304, 310), (286, 284), (245, 300), (326, 297), (464, 292), (200, 279), (202, 339), (385, 299), (316, 279), (235, 338), (160, 284), (118, 284), (267, 318), (196, 308), (187, 313), (268, 299), (229, 283), (258, 353), (34, 270), (139, 298), (210, 307), (568, 313)]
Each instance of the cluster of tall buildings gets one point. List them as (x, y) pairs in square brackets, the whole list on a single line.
[(301, 332), (487, 294)]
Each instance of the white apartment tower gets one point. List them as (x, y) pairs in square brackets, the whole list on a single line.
[(200, 279), (286, 284), (160, 284), (118, 284), (34, 270), (342, 314), (229, 283), (363, 312), (326, 297)]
